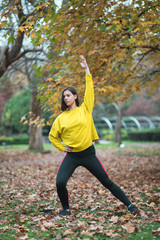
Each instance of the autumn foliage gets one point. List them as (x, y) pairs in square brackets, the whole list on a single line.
[(119, 39)]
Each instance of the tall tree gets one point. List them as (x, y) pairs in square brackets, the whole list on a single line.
[(25, 66), (119, 38), (17, 18)]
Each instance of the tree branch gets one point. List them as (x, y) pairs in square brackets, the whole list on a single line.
[(142, 58), (146, 10), (37, 59), (24, 52)]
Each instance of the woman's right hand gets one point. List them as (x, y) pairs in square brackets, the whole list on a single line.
[(68, 149)]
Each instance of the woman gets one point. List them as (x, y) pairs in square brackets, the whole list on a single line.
[(75, 127)]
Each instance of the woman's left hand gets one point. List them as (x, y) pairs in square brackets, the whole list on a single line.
[(84, 64)]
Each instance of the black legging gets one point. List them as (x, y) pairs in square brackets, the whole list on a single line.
[(87, 159)]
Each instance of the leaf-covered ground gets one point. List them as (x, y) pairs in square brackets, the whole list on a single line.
[(28, 187)]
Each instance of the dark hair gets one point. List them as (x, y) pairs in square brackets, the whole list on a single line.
[(74, 92)]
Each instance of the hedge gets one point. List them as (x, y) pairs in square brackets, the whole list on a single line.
[(133, 135), (19, 139), (145, 135)]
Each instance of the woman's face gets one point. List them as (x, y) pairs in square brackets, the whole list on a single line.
[(69, 98)]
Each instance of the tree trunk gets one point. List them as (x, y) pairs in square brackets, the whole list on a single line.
[(118, 135), (35, 137)]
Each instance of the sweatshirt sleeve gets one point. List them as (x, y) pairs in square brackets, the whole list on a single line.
[(54, 136), (89, 93)]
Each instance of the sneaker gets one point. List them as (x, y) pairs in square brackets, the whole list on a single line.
[(133, 209), (64, 213)]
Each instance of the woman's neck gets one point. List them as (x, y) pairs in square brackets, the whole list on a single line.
[(72, 107)]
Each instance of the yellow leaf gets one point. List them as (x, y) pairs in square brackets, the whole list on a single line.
[(3, 23), (50, 79), (109, 69), (45, 27), (19, 6), (39, 7), (110, 88), (103, 90), (21, 29), (115, 22)]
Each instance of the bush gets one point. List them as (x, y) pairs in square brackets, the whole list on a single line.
[(144, 135), (105, 134), (15, 108), (17, 139), (109, 135), (133, 135)]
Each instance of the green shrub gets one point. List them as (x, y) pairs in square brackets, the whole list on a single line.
[(144, 135), (109, 135), (6, 140), (17, 139), (124, 134), (105, 134), (15, 108), (133, 135)]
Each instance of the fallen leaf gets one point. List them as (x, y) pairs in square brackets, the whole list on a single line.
[(157, 219), (142, 213), (100, 192), (156, 232), (110, 233), (48, 225), (114, 219), (128, 216), (23, 237), (129, 227), (83, 185), (81, 225), (68, 232), (87, 233), (23, 229), (152, 204)]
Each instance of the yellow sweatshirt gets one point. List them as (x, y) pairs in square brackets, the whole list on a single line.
[(75, 128)]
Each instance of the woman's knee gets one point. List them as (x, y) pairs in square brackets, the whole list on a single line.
[(60, 183), (108, 183)]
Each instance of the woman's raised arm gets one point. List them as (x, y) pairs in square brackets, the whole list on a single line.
[(84, 65), (89, 91)]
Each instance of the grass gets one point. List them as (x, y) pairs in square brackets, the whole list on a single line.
[(31, 229), (129, 148), (132, 148), (24, 147)]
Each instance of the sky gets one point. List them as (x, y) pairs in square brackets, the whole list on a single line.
[(58, 2)]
